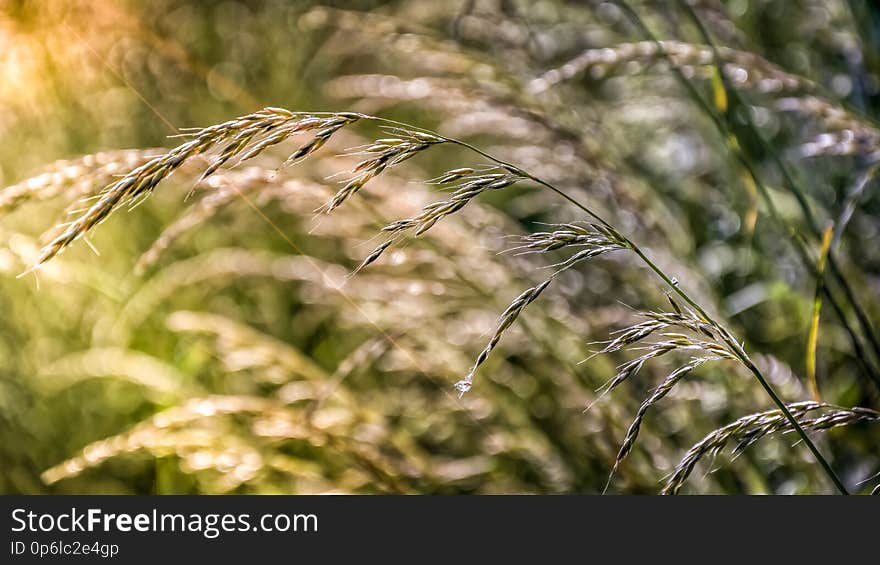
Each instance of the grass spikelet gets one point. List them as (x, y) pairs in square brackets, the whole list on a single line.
[(472, 186), (749, 429), (373, 256), (569, 235), (672, 342), (604, 239), (239, 134), (382, 153), (657, 395), (682, 317), (508, 317)]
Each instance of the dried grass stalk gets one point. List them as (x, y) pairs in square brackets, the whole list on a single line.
[(157, 435), (656, 396), (381, 154), (507, 318), (672, 342), (472, 186), (744, 69), (75, 177), (749, 429), (244, 137), (602, 239)]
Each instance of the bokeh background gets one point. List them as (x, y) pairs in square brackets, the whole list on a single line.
[(238, 358)]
